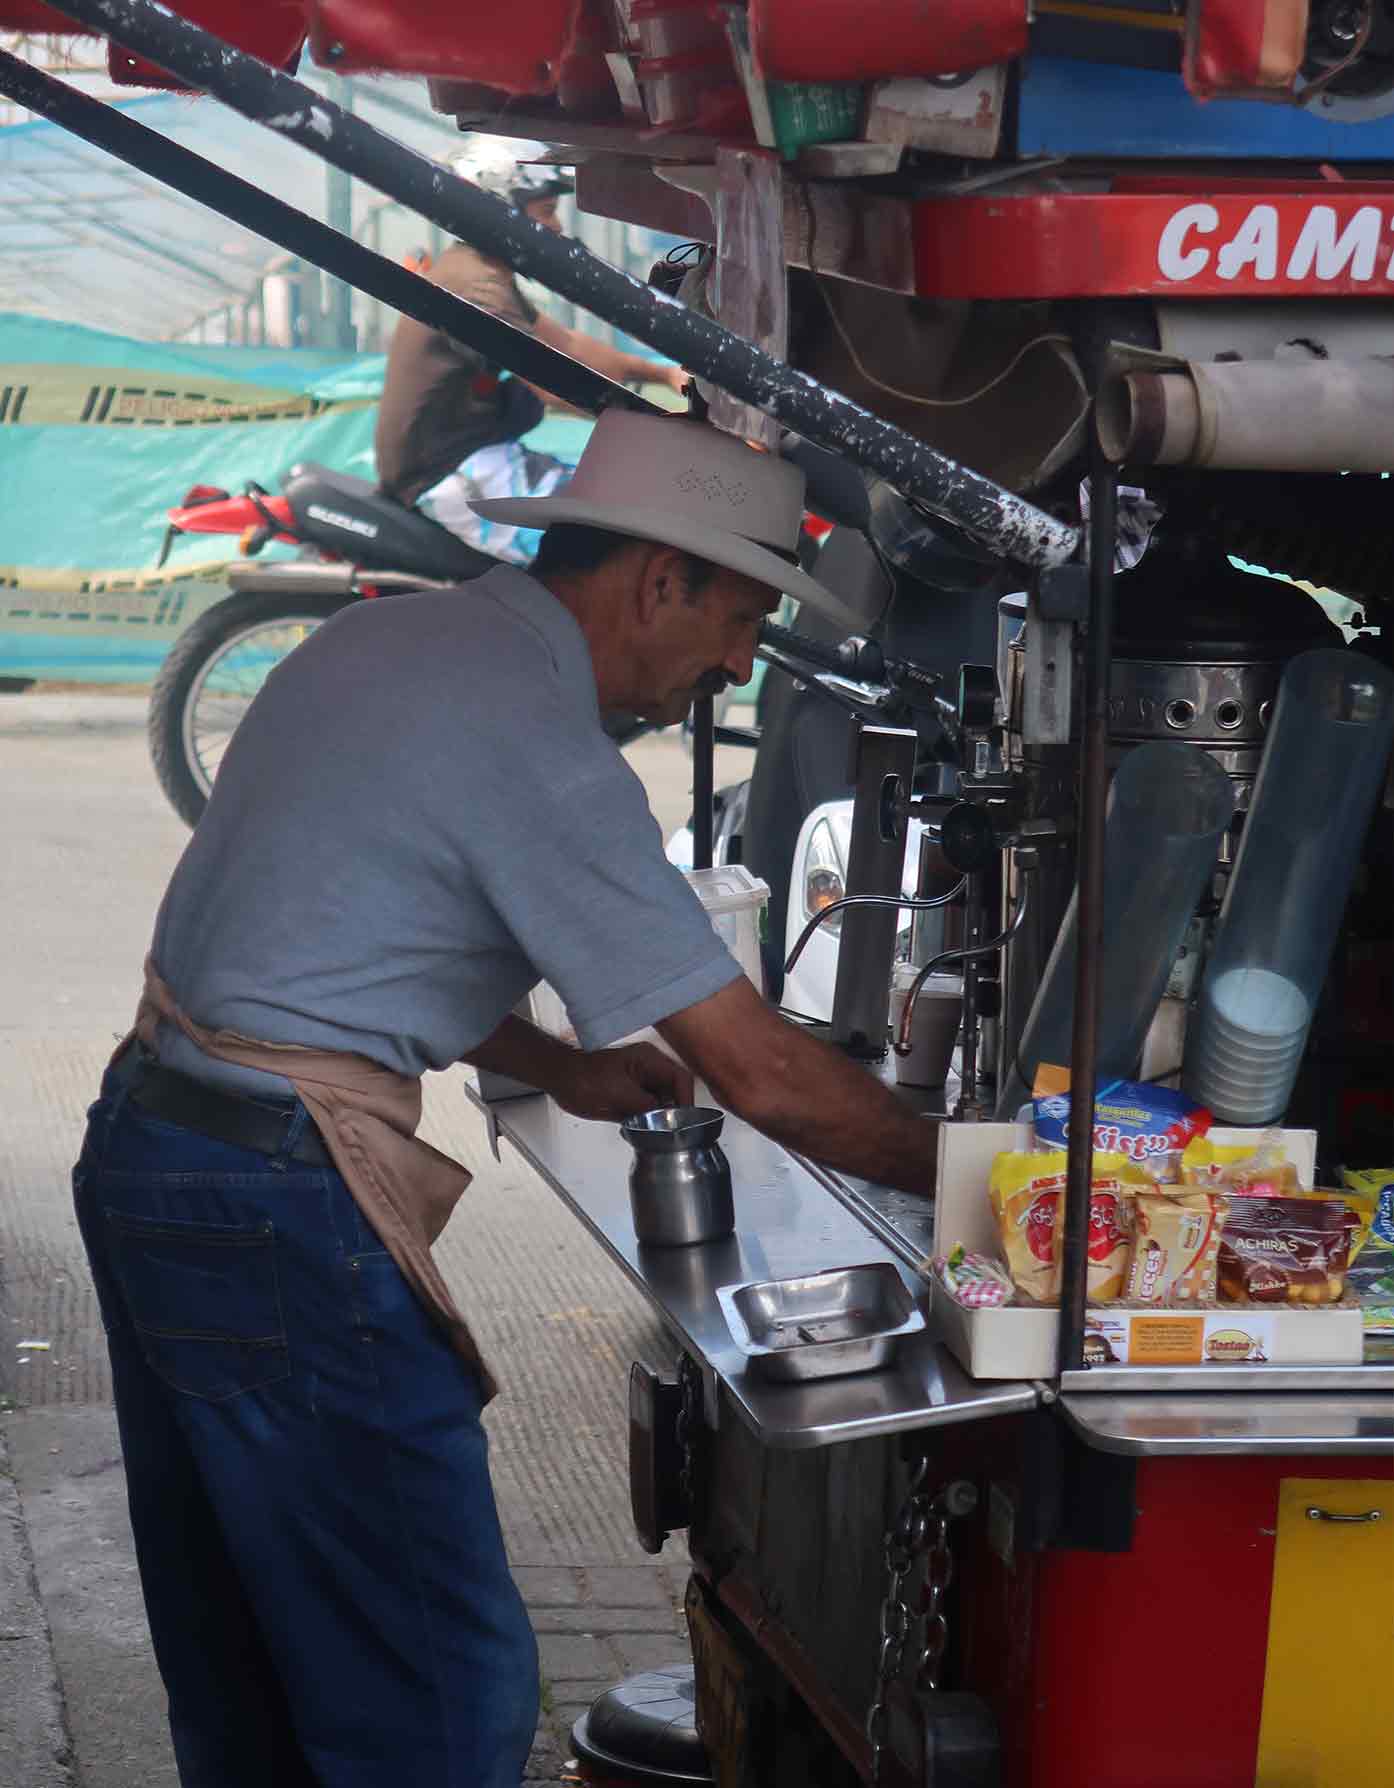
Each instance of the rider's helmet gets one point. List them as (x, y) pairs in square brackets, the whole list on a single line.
[(509, 168)]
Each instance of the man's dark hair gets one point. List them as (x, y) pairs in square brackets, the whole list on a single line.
[(569, 548)]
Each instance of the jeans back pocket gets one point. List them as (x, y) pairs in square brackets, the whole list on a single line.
[(204, 1299)]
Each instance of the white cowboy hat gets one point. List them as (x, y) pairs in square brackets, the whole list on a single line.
[(688, 485)]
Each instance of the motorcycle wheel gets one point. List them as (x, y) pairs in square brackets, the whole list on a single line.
[(207, 682)]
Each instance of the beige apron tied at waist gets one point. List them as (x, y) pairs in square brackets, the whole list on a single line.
[(367, 1115)]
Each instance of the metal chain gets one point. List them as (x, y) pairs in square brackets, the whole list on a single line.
[(920, 1531), (688, 1424)]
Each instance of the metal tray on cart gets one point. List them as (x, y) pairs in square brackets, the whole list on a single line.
[(821, 1325)]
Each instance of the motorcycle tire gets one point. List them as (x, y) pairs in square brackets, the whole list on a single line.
[(205, 650)]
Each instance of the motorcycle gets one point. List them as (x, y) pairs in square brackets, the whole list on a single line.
[(358, 545)]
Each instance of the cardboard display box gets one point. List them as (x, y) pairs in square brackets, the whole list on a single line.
[(1022, 1342)]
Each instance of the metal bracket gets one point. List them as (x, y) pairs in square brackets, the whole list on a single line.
[(1047, 693), (1062, 593)]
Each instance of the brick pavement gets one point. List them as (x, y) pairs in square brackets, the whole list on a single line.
[(596, 1625)]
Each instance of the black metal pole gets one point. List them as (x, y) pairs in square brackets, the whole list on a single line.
[(1074, 1269), (248, 205), (996, 517), (703, 779)]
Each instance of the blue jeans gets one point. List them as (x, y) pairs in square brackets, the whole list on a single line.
[(308, 1477)]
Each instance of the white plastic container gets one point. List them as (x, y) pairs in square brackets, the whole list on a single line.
[(734, 901)]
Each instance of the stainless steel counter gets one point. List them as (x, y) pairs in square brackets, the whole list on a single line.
[(1162, 1423), (793, 1217), (788, 1221)]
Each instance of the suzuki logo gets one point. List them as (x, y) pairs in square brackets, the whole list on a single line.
[(349, 523), (1264, 247)]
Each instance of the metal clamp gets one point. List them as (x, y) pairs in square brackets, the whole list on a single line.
[(1315, 1514)]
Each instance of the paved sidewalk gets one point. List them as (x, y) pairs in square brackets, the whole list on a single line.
[(93, 1669), (35, 1749)]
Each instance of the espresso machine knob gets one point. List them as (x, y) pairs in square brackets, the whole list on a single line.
[(969, 838)]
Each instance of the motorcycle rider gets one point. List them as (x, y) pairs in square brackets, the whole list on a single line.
[(449, 427)]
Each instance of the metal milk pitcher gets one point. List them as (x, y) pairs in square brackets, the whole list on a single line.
[(680, 1181)]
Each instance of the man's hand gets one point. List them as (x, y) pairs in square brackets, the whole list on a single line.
[(676, 378), (798, 1090), (618, 1083)]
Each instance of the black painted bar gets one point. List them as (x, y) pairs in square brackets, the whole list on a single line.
[(988, 513)]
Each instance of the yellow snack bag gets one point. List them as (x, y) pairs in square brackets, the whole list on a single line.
[(1027, 1192)]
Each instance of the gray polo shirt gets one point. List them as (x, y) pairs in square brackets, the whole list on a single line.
[(420, 818)]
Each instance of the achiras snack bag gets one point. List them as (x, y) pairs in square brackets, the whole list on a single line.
[(1027, 1192), (1149, 1124)]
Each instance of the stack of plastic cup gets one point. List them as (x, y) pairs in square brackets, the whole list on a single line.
[(1317, 786), (1248, 1051)]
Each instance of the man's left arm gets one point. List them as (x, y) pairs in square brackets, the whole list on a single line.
[(591, 1083), (613, 362)]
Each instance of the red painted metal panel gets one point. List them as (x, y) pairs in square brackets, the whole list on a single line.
[(1244, 46), (829, 40), (274, 30), (1145, 1668), (28, 15), (1334, 241), (517, 47)]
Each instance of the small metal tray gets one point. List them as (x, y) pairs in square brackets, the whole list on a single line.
[(848, 1319)]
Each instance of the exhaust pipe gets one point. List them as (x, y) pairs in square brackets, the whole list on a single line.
[(1254, 416)]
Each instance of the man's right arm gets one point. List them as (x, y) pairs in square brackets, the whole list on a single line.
[(800, 1091)]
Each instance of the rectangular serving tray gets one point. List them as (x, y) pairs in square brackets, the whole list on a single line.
[(821, 1325)]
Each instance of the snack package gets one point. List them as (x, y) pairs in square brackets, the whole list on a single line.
[(1176, 1248), (1373, 1187), (1371, 1279), (1250, 1170), (1027, 1192), (1372, 1283), (973, 1280), (1284, 1251), (1358, 1213), (1150, 1124)]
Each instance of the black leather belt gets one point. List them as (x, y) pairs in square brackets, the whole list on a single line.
[(226, 1117)]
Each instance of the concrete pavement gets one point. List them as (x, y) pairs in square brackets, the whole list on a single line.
[(89, 843)]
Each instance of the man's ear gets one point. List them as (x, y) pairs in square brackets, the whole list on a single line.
[(661, 580)]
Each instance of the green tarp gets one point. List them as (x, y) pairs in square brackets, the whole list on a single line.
[(101, 435)]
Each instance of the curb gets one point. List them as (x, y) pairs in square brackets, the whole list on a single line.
[(35, 1748)]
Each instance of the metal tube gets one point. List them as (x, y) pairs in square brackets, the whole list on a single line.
[(256, 210), (988, 513), (703, 779), (964, 954), (1079, 1171), (1238, 415), (973, 904), (338, 214), (917, 905)]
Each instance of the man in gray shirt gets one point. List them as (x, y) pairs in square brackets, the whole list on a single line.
[(420, 817)]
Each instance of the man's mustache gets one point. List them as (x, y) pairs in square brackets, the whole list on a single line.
[(711, 682)]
